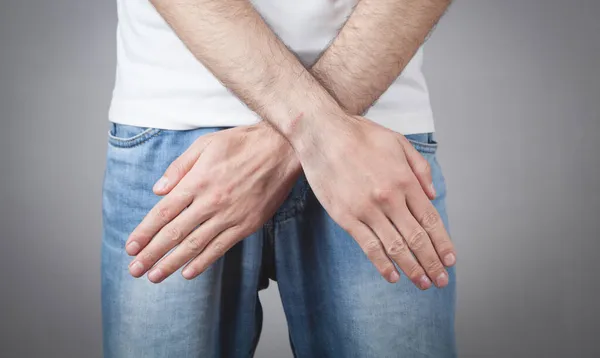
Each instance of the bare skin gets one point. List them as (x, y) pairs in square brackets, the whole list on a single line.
[(229, 207), (230, 182), (387, 209)]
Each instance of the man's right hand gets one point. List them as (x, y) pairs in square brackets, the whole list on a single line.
[(370, 181)]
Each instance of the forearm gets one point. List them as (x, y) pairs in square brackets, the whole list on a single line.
[(231, 39), (373, 47)]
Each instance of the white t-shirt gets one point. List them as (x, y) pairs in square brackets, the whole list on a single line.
[(159, 83)]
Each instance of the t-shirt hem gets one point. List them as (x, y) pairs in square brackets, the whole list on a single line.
[(143, 115)]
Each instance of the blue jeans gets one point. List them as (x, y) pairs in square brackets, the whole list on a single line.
[(335, 301)]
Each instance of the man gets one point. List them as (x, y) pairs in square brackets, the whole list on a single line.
[(253, 112)]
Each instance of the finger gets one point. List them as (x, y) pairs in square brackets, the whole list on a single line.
[(420, 244), (160, 215), (190, 247), (429, 219), (372, 247), (215, 249), (397, 249), (180, 167), (420, 167), (167, 238)]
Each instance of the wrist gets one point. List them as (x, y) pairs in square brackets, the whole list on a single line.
[(281, 147), (309, 129), (302, 110), (312, 132)]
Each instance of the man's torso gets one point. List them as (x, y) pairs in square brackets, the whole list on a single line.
[(160, 84)]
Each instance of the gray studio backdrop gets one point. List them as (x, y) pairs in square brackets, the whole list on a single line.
[(516, 91)]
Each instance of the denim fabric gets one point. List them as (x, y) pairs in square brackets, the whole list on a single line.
[(335, 301)]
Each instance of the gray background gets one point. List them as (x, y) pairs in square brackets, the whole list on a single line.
[(516, 90)]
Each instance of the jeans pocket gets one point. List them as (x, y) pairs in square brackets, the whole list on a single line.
[(423, 142), (127, 136)]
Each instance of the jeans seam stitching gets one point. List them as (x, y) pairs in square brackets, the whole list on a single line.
[(424, 147), (299, 203), (133, 142)]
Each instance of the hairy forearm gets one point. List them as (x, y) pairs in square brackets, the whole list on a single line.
[(231, 39), (373, 47)]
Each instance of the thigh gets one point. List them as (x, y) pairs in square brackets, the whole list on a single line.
[(338, 305), (215, 315)]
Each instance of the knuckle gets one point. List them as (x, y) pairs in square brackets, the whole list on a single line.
[(430, 220), (434, 266), (424, 167), (382, 195), (215, 199), (200, 185), (148, 256), (372, 246), (404, 181), (174, 234), (417, 240), (178, 169), (194, 244), (162, 214), (219, 248), (185, 194), (396, 247)]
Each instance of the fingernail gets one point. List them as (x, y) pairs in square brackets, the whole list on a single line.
[(441, 280), (155, 275), (424, 282), (394, 277), (136, 268), (449, 260), (161, 184), (432, 188), (188, 272), (132, 248)]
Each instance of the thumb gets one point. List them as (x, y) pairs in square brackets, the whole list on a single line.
[(420, 167), (180, 167)]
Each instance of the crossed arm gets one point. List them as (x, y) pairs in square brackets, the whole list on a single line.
[(315, 116), (231, 39)]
